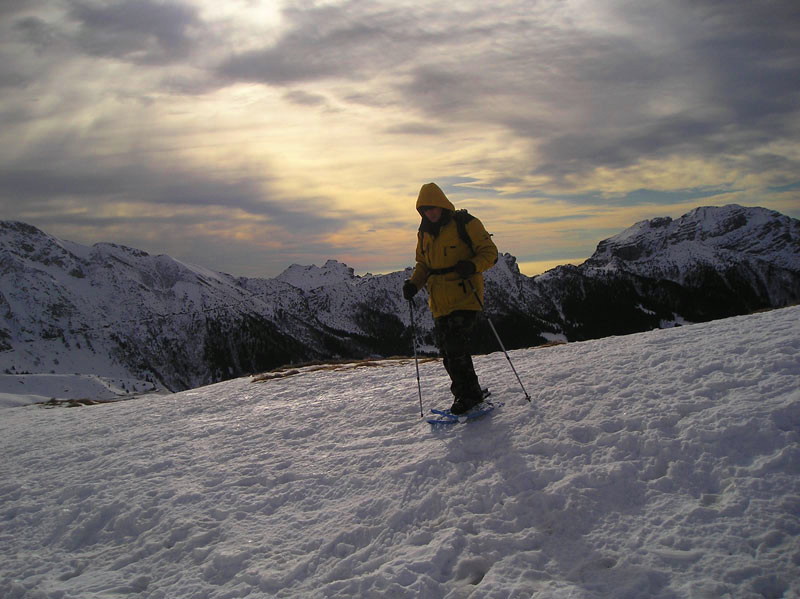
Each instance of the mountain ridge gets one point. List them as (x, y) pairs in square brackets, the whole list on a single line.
[(116, 311), (764, 234)]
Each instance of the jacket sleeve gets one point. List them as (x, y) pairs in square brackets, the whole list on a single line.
[(485, 250), (420, 275)]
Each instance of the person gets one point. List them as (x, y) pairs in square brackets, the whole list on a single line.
[(453, 249)]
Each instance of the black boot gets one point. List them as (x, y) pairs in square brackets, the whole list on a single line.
[(464, 405)]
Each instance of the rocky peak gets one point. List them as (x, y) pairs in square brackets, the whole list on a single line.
[(706, 234), (312, 277)]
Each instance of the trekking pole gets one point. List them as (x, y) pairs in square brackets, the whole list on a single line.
[(416, 360), (503, 347)]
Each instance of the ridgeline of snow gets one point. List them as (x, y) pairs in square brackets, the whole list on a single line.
[(659, 465), (717, 236), (313, 277), (120, 313)]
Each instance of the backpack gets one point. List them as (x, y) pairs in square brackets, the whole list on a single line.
[(462, 217)]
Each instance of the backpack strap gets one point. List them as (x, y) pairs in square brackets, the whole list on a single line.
[(462, 217)]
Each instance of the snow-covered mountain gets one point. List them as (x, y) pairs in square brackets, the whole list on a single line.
[(721, 238), (752, 251), (711, 263), (661, 465), (154, 322), (118, 311)]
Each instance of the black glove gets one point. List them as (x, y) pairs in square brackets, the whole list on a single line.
[(409, 290), (465, 269)]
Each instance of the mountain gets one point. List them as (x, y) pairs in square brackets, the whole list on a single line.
[(711, 263), (154, 322), (662, 465), (721, 237), (151, 320), (753, 252)]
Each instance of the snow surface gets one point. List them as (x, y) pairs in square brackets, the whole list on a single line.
[(23, 389), (658, 465)]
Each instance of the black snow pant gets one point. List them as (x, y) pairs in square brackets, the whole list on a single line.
[(453, 335)]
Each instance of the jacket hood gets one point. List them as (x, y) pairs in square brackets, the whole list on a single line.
[(431, 195)]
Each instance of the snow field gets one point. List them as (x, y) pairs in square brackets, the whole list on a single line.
[(24, 389), (658, 465)]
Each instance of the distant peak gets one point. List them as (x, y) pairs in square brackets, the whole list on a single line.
[(711, 234), (313, 276)]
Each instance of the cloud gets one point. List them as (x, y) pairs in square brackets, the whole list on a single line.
[(51, 192), (441, 91), (562, 218), (139, 31), (578, 152), (74, 51), (418, 128), (638, 197), (622, 83), (15, 7), (344, 41), (302, 98), (11, 76), (25, 42), (706, 79), (36, 31)]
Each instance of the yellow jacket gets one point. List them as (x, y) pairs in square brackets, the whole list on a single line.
[(448, 292)]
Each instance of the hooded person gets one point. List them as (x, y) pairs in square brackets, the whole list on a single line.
[(453, 249)]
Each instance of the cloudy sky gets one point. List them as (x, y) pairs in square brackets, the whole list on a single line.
[(245, 136)]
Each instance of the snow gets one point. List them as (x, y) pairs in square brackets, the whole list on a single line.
[(554, 337), (24, 389), (658, 465), (717, 236), (677, 321), (313, 277)]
